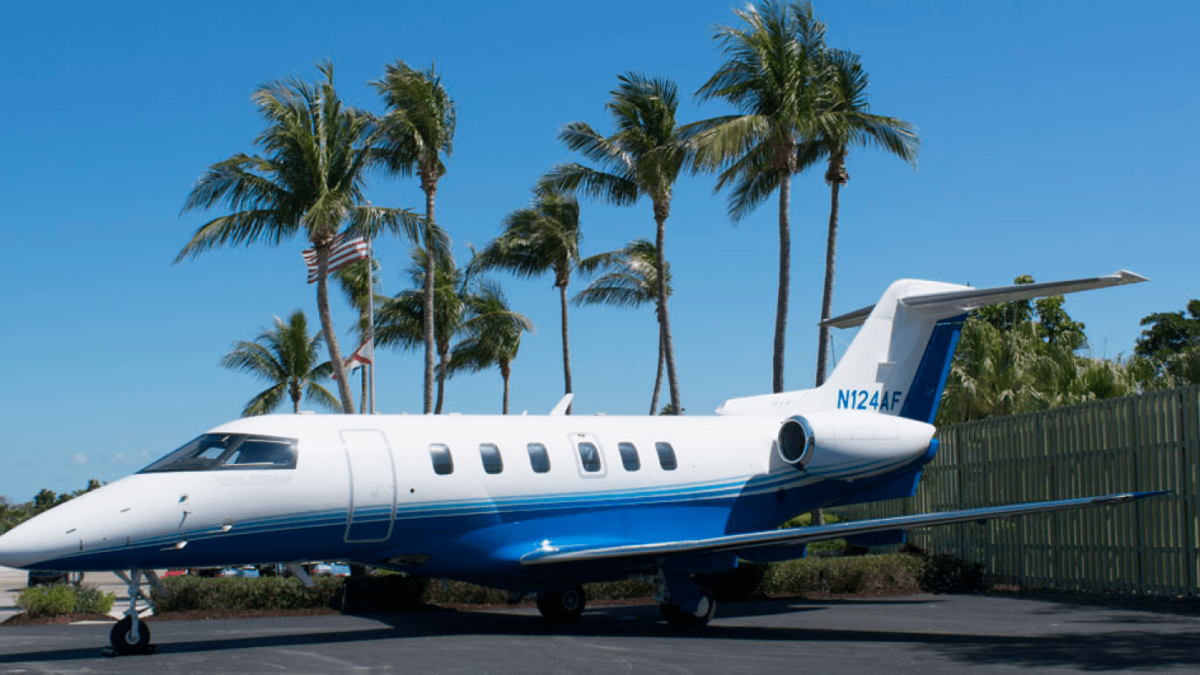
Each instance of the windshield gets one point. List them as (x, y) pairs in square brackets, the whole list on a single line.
[(212, 452)]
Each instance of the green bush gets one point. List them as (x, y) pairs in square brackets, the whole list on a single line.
[(894, 572), (61, 600), (620, 590), (446, 591), (945, 573), (741, 582), (384, 592), (231, 593)]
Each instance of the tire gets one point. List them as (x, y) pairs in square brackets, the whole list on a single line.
[(561, 606), (121, 639), (677, 618)]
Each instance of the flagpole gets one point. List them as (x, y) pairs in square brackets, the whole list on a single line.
[(371, 318)]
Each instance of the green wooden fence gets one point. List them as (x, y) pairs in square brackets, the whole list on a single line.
[(1141, 443)]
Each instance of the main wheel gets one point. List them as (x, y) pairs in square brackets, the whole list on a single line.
[(562, 606), (705, 611), (123, 641)]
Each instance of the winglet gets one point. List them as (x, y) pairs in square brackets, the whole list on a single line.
[(561, 408)]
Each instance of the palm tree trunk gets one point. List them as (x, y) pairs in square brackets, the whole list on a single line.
[(427, 305), (664, 316), (335, 354), (659, 375), (505, 372), (441, 380), (566, 346), (836, 168), (785, 279)]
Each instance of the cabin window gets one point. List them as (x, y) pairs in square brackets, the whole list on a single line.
[(539, 459), (212, 452), (589, 456), (666, 456), (629, 456), (492, 463), (443, 463)]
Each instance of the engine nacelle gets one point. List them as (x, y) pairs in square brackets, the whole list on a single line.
[(849, 444)]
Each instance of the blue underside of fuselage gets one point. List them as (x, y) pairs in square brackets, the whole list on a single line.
[(484, 543)]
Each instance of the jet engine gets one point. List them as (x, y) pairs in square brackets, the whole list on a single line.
[(850, 444)]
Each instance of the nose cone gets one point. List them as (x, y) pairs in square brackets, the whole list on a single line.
[(23, 546)]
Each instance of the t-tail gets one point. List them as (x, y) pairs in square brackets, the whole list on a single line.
[(898, 363)]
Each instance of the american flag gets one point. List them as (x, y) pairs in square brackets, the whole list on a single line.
[(343, 251)]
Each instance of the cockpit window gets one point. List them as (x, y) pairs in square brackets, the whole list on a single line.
[(223, 452)]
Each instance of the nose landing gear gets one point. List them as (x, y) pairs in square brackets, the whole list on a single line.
[(131, 635)]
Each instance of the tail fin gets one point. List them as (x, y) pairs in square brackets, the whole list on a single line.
[(898, 362)]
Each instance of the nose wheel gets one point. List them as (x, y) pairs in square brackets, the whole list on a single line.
[(127, 640), (131, 635)]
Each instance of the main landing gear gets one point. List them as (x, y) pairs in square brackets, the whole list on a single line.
[(131, 635), (561, 606), (684, 604)]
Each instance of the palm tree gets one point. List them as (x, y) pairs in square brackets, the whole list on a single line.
[(843, 120), (417, 131), (772, 74), (493, 336), (630, 279), (360, 284), (285, 356), (400, 320), (310, 180), (543, 237), (643, 157)]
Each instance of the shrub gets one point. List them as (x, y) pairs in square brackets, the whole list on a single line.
[(620, 590), (61, 600), (385, 592), (445, 591), (741, 582), (230, 593), (945, 573), (859, 574)]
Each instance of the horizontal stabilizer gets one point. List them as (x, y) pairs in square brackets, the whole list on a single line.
[(634, 555), (959, 302)]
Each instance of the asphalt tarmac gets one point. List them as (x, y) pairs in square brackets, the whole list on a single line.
[(919, 634)]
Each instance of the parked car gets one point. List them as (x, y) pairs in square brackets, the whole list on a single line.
[(48, 578), (330, 569), (249, 571)]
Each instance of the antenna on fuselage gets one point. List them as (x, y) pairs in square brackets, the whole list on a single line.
[(561, 408)]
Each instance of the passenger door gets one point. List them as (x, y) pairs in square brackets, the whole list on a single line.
[(372, 496)]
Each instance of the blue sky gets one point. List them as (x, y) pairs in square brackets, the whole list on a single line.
[(1058, 140)]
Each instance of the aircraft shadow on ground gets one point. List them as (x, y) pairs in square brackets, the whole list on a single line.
[(1105, 651)]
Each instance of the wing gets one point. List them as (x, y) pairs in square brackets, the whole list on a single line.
[(549, 559)]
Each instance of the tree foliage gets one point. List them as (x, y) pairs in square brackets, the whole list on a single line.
[(12, 514), (284, 355), (1168, 350), (1023, 356), (310, 181)]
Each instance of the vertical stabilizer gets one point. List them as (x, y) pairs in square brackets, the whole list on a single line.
[(899, 361)]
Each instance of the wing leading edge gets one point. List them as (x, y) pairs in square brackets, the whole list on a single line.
[(548, 557)]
